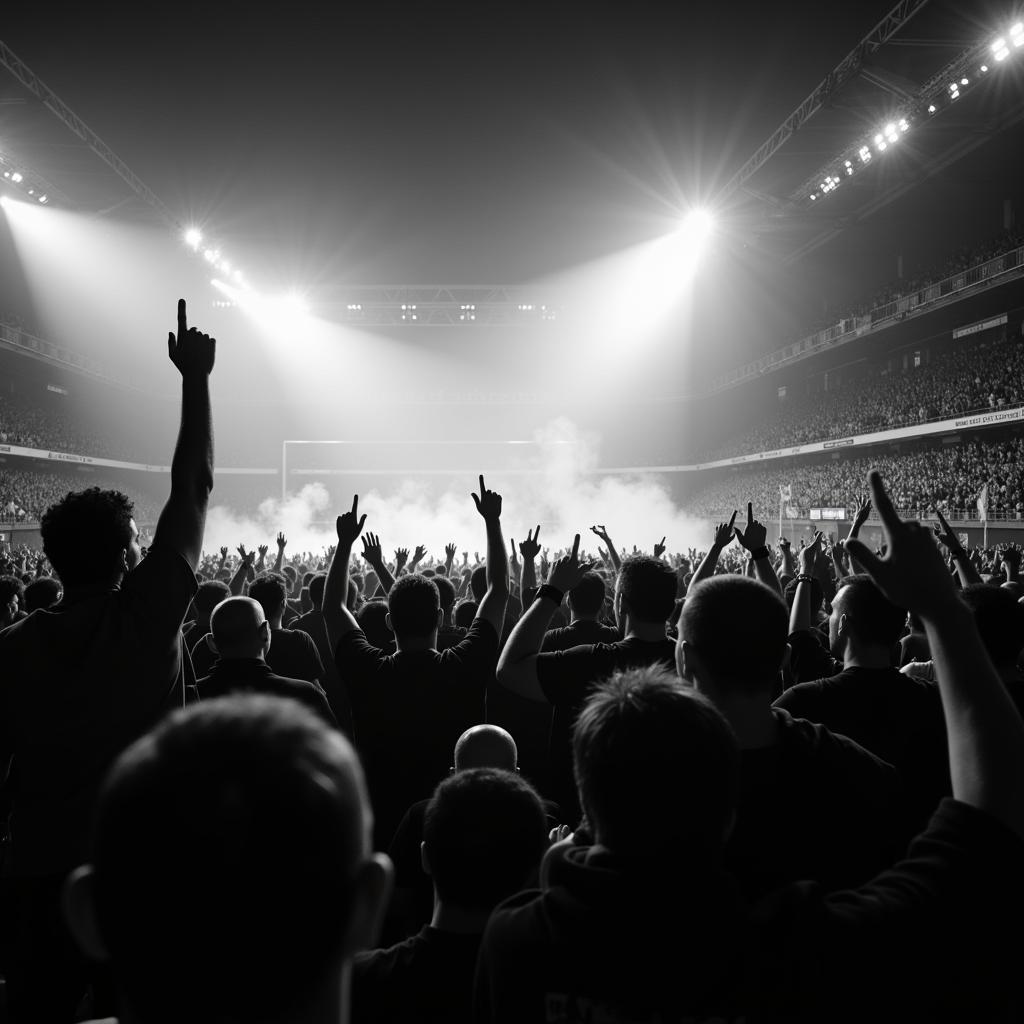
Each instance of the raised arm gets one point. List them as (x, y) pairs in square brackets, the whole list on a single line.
[(529, 549), (183, 518), (282, 543), (800, 617), (985, 732), (723, 538), (601, 532), (517, 664), (449, 558), (966, 569), (238, 581), (373, 553), (492, 607), (338, 618), (753, 540)]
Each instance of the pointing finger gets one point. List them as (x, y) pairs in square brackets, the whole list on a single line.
[(182, 320), (750, 512), (482, 488), (733, 520), (881, 501), (576, 547), (355, 505)]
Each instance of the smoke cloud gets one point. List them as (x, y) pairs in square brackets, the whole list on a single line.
[(558, 486)]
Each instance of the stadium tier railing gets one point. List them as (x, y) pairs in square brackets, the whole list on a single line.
[(898, 309)]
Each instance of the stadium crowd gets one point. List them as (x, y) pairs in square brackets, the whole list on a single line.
[(26, 494), (334, 786), (978, 378), (950, 478)]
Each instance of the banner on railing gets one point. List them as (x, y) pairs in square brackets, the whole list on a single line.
[(981, 325), (89, 460), (830, 514)]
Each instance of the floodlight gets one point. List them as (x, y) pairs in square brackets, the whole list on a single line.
[(193, 237), (1017, 32), (984, 68), (965, 81), (16, 177), (210, 256), (3, 200), (698, 223), (44, 199), (931, 108)]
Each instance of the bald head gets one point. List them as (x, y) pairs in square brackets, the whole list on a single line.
[(239, 628), (486, 746)]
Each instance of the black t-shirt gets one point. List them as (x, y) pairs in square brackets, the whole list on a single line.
[(578, 633), (80, 682), (814, 806), (896, 717), (926, 940), (314, 626), (254, 675), (566, 678), (427, 979), (409, 709), (292, 654)]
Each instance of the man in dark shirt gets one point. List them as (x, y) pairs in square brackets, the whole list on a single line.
[(292, 652), (208, 596), (645, 593), (231, 877), (83, 680), (812, 805), (647, 925), (410, 707), (242, 638), (585, 602), (483, 837), (863, 696)]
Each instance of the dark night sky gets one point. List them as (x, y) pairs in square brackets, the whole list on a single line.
[(445, 143)]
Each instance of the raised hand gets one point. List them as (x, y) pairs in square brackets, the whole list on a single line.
[(1012, 556), (809, 555), (863, 511), (947, 537), (488, 504), (912, 573), (223, 554), (568, 570), (659, 549), (401, 557), (246, 556), (349, 525), (530, 548), (755, 534), (449, 552), (191, 352), (784, 545), (418, 554), (282, 542), (601, 532), (263, 549), (372, 551), (724, 533)]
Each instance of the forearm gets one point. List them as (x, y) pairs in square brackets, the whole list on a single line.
[(336, 594), (387, 581), (966, 569), (192, 464), (237, 584), (528, 579), (765, 572), (707, 566), (497, 558), (279, 561), (526, 638), (800, 613), (985, 732), (613, 554)]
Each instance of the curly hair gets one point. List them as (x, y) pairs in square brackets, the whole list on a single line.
[(85, 532)]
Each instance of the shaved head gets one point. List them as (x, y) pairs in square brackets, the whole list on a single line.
[(486, 746), (236, 625)]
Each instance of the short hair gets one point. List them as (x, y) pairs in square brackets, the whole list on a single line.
[(104, 518), (233, 830), (873, 617), (440, 570), (445, 592), (649, 586), (209, 595), (999, 618), (738, 627), (10, 587), (372, 621), (316, 589), (271, 591), (587, 597), (478, 583), (413, 602), (648, 749), (291, 572), (789, 592), (485, 831), (465, 613), (41, 593)]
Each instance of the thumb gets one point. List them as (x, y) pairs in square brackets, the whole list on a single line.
[(170, 344), (858, 550)]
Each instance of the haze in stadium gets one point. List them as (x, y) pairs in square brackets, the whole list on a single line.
[(570, 256)]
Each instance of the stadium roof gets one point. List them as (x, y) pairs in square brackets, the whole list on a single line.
[(922, 66)]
